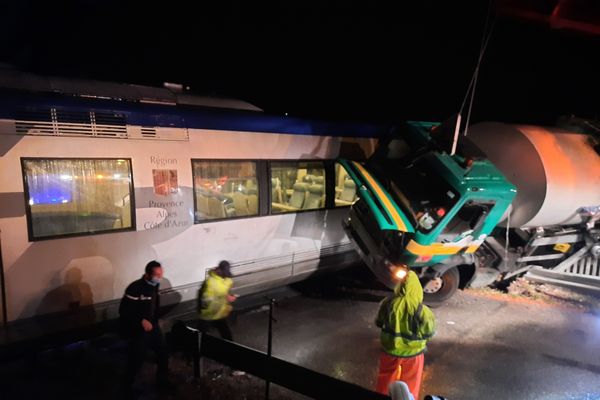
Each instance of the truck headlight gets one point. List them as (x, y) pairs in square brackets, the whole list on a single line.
[(400, 272)]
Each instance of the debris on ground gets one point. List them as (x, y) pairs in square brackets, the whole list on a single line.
[(525, 291)]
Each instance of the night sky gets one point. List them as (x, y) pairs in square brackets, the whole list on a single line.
[(333, 60)]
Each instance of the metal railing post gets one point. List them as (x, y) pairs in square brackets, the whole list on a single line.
[(270, 343), (196, 355)]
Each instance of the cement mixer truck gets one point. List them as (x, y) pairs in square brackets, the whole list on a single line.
[(479, 210)]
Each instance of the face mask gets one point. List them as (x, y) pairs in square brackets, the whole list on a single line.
[(153, 281)]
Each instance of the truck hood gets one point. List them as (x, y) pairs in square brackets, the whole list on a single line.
[(388, 215)]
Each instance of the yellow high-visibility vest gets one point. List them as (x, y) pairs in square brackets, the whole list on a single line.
[(213, 297), (406, 324)]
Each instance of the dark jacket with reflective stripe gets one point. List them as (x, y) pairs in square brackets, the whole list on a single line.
[(140, 301), (406, 324)]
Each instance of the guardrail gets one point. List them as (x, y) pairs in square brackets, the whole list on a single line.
[(271, 369), (283, 373)]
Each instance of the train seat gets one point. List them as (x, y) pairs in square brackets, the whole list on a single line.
[(348, 195), (315, 197)]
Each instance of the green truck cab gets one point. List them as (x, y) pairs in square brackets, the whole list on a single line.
[(422, 207)]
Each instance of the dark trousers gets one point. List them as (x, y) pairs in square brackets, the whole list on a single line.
[(138, 345), (220, 324)]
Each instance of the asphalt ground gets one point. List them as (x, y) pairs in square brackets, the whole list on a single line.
[(487, 346)]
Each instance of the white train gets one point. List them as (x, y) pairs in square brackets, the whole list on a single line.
[(97, 179)]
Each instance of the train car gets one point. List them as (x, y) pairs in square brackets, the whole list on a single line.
[(97, 179)]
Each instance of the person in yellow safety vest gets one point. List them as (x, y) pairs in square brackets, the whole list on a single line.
[(406, 327), (215, 300)]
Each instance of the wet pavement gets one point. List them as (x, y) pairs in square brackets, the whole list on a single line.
[(486, 347)]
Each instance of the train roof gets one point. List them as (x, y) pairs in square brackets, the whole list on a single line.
[(24, 95), (170, 94)]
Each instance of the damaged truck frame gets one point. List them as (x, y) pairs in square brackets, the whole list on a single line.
[(507, 199)]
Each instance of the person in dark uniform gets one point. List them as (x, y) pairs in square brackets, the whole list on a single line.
[(138, 320)]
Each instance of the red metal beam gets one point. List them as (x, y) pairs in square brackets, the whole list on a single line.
[(581, 16)]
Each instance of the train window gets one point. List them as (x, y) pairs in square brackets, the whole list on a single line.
[(224, 189), (78, 196), (297, 186), (345, 188)]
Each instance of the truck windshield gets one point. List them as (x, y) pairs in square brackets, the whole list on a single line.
[(421, 192)]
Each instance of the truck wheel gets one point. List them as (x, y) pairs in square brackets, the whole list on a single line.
[(440, 289)]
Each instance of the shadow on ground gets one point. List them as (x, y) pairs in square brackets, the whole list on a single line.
[(355, 283)]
